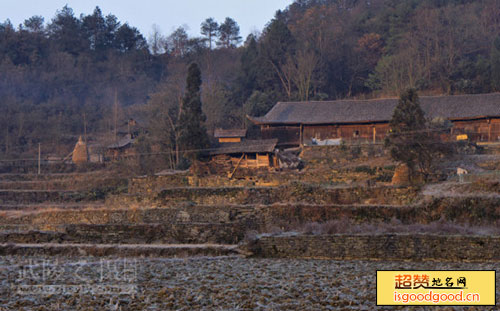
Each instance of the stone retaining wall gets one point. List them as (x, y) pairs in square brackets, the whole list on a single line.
[(193, 233), (154, 184), (285, 216), (177, 233), (380, 247), (292, 193), (41, 196), (181, 251)]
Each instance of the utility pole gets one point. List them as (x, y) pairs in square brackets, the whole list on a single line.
[(115, 113), (39, 157), (85, 127)]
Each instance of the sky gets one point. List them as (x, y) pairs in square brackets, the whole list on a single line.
[(251, 15)]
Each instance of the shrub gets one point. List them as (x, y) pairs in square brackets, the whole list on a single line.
[(365, 169)]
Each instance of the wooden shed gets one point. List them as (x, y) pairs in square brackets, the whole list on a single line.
[(297, 123), (230, 136), (247, 154)]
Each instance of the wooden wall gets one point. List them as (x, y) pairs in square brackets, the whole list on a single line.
[(286, 135), (350, 132), (116, 154), (482, 130), (252, 161), (495, 130), (478, 130), (229, 139)]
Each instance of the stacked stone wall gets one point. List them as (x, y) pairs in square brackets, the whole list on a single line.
[(381, 247)]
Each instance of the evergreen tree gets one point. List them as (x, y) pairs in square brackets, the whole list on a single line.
[(192, 131), (94, 27), (34, 23), (495, 65), (411, 140), (65, 31), (229, 33), (210, 29), (246, 82)]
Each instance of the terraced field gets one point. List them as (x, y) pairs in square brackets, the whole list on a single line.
[(204, 283), (69, 242)]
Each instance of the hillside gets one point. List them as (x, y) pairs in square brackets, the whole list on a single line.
[(62, 77)]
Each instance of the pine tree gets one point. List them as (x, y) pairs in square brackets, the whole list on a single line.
[(210, 29), (495, 65), (229, 34), (412, 141), (192, 132)]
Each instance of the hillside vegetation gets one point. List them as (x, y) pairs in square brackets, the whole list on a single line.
[(93, 71)]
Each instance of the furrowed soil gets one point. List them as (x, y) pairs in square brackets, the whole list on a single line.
[(203, 283), (103, 241)]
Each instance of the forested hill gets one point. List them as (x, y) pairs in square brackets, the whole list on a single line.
[(61, 75)]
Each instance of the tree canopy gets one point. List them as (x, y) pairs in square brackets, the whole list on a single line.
[(413, 140), (54, 72), (193, 133)]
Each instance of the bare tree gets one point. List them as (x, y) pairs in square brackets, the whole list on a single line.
[(177, 42), (157, 41), (304, 66), (297, 73), (165, 108)]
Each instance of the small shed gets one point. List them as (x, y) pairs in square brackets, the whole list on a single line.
[(247, 154), (230, 136)]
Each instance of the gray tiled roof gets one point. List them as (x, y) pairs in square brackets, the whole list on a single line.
[(378, 110), (247, 146), (220, 133), (123, 142)]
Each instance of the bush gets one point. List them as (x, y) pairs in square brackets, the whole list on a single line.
[(365, 169), (183, 165), (355, 152)]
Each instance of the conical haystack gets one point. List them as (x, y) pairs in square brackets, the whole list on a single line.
[(80, 153), (401, 176)]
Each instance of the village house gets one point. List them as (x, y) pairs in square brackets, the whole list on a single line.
[(126, 135), (473, 117), (121, 149)]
